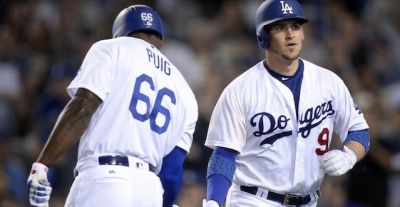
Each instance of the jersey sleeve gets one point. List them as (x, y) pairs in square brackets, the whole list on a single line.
[(227, 124), (349, 116), (187, 138), (96, 72)]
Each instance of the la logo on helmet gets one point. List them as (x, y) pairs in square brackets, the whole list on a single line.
[(286, 8)]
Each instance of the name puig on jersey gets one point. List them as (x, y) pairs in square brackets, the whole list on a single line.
[(159, 62)]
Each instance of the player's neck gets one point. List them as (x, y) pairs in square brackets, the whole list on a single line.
[(150, 38), (283, 67)]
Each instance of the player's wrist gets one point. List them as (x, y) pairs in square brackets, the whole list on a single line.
[(350, 155), (38, 166), (41, 162), (38, 172)]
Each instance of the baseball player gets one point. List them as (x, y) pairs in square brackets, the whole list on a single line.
[(272, 126), (134, 114)]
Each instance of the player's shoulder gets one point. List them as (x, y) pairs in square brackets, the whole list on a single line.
[(121, 42), (101, 44), (320, 72), (317, 69), (109, 45)]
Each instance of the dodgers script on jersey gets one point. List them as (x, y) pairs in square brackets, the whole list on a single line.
[(279, 148), (147, 112)]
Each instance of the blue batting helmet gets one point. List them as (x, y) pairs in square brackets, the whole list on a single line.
[(271, 11), (137, 18)]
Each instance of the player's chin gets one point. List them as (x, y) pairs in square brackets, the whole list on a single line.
[(293, 51), (291, 56)]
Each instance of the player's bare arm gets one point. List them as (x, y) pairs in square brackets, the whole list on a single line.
[(357, 148), (70, 125)]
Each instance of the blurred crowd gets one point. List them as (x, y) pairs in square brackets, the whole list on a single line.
[(43, 42)]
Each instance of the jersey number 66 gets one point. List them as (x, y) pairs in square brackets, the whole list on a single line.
[(157, 108)]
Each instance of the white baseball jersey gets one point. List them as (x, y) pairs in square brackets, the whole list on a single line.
[(148, 107), (279, 149)]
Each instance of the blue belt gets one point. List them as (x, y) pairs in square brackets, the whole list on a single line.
[(120, 160), (285, 199)]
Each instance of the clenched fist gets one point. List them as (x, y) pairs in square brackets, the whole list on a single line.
[(338, 162), (39, 188)]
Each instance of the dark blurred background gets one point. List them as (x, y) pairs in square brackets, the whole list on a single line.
[(43, 42)]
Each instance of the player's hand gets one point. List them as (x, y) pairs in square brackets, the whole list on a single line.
[(338, 162), (39, 188), (210, 203)]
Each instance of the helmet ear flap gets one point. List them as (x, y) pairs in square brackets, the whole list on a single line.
[(262, 38)]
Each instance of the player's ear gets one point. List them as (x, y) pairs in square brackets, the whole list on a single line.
[(305, 31), (303, 35)]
